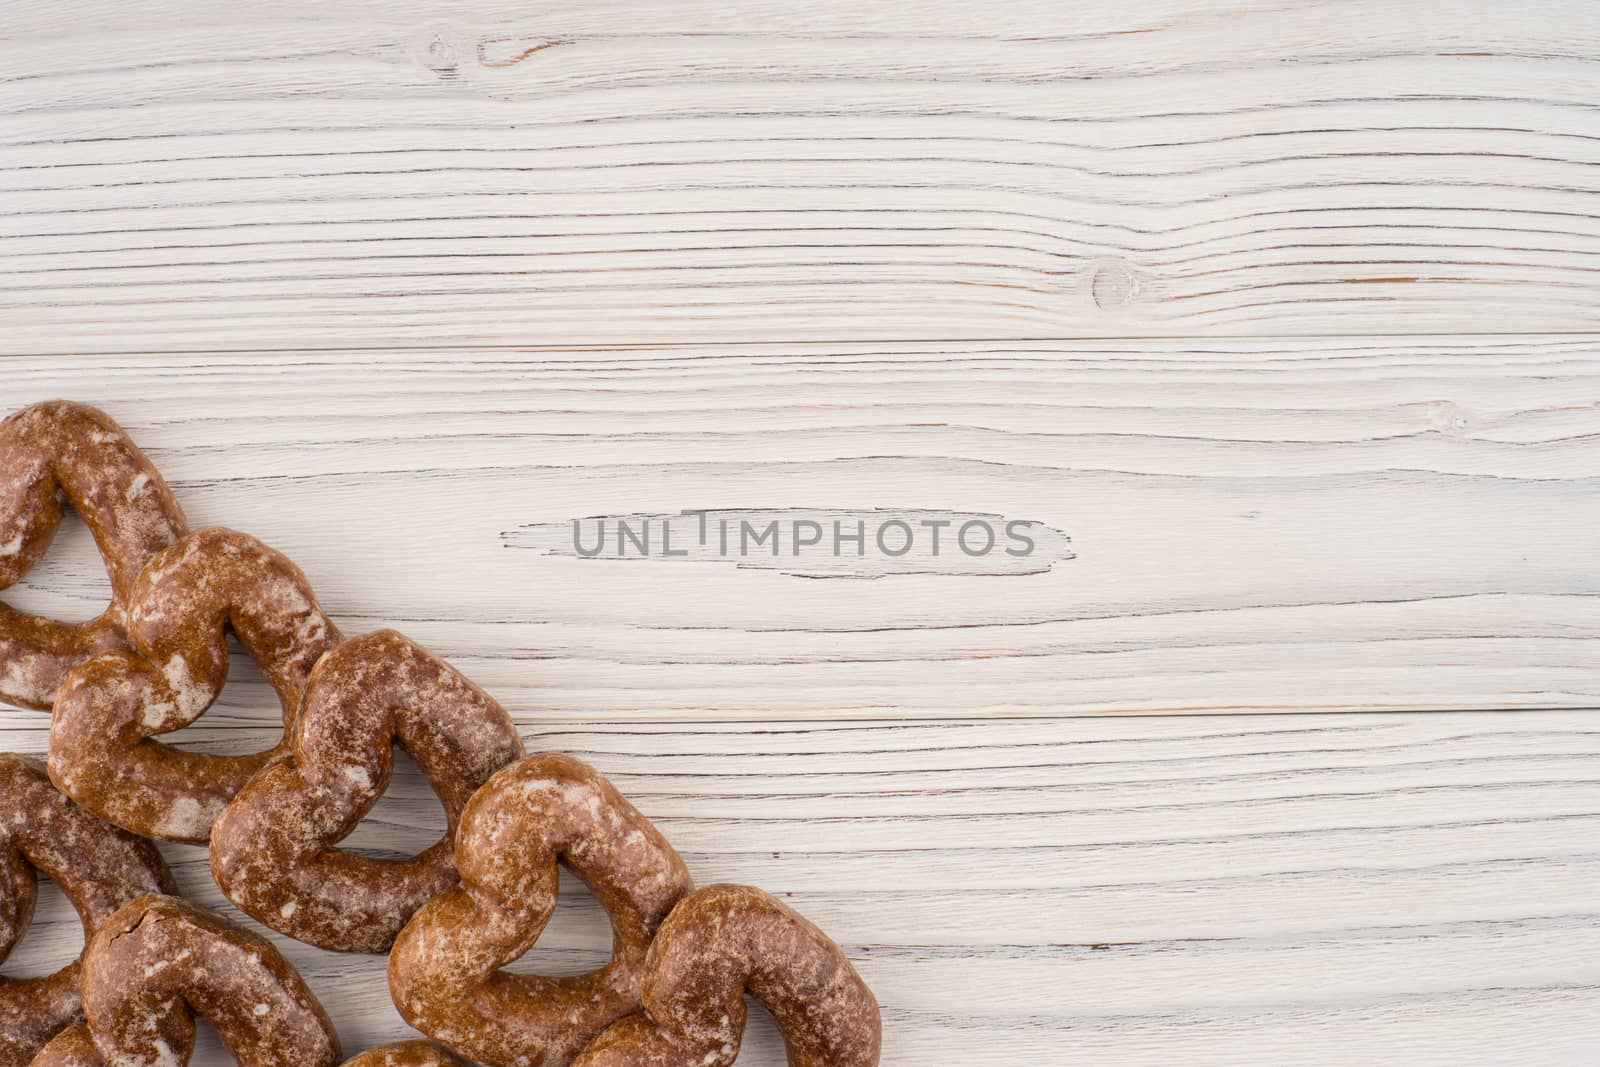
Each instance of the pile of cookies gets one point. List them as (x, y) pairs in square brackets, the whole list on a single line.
[(450, 918)]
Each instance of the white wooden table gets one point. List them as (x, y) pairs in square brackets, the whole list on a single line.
[(1286, 315)]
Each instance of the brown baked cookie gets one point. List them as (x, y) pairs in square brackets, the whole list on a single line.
[(159, 962), (73, 1047), (103, 751), (98, 867), (58, 450), (444, 970), (273, 850), (406, 1054), (720, 943)]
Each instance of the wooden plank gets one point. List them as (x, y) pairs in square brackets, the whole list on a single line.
[(1149, 890), (177, 175), (1286, 526)]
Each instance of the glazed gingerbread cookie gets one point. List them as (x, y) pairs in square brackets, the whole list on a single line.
[(97, 866), (109, 712), (159, 962), (55, 451), (720, 943), (273, 850), (406, 1054), (444, 970)]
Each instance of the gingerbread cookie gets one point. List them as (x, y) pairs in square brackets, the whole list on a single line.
[(159, 962), (108, 713), (55, 451), (444, 970), (720, 943), (273, 850), (406, 1054), (97, 866)]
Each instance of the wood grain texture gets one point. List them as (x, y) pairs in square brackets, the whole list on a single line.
[(181, 175), (1285, 314), (1316, 525), (1339, 889)]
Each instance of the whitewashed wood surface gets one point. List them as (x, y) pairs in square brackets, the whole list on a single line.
[(1337, 524), (199, 175), (1286, 314)]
